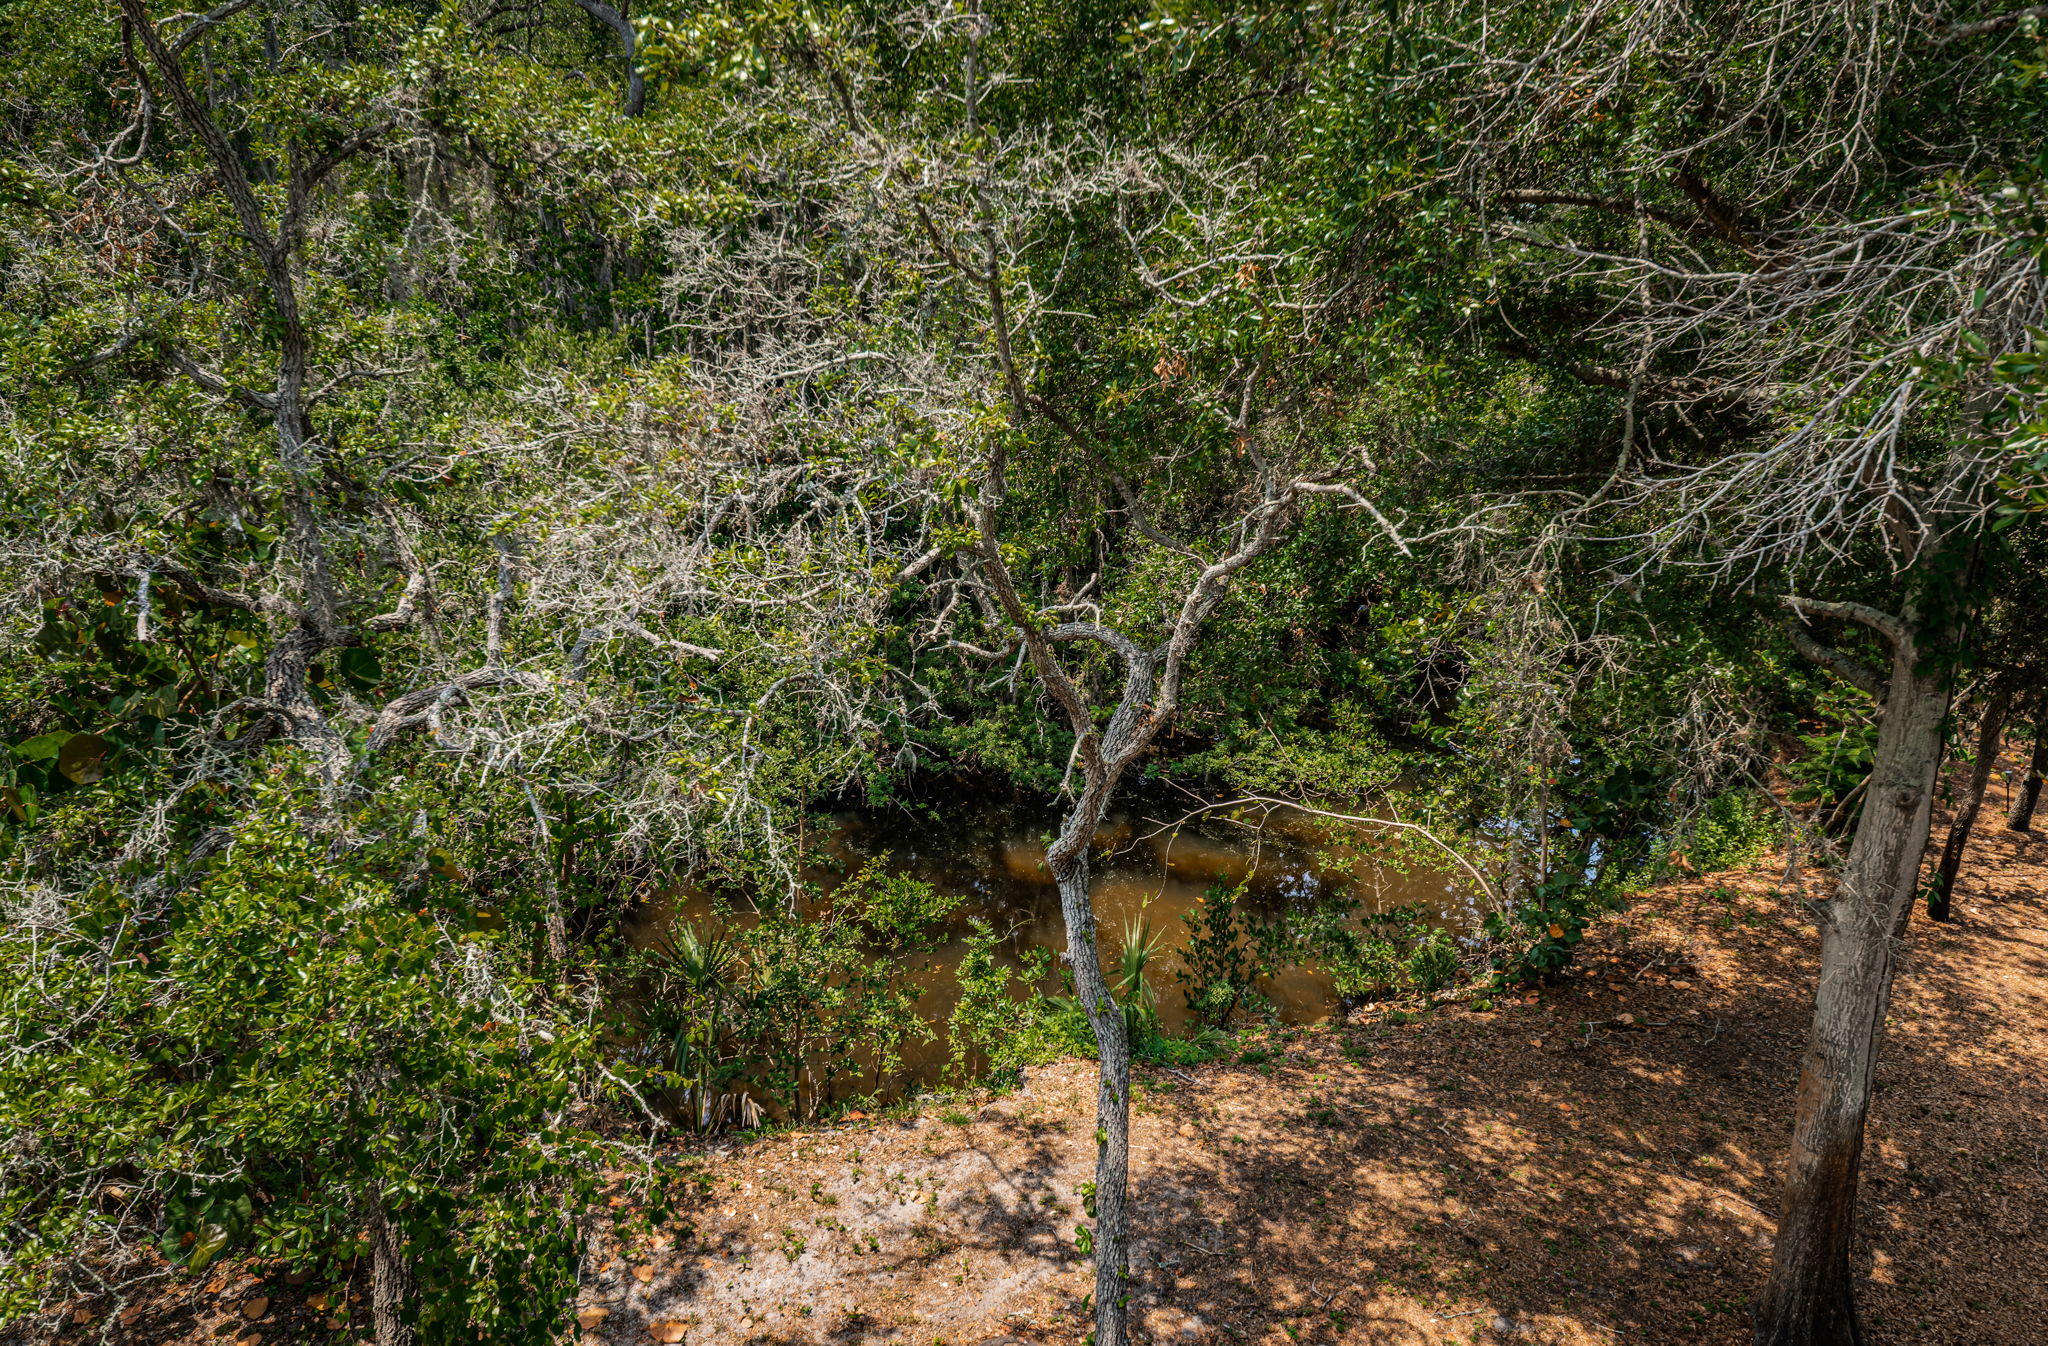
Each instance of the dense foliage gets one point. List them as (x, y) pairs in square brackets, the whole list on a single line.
[(460, 477)]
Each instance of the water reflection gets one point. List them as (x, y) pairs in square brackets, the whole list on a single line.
[(994, 857)]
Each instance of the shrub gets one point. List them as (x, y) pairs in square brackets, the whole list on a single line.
[(1001, 1019), (828, 992), (1832, 765), (1228, 950), (1733, 830), (257, 1058), (1398, 952), (1537, 937)]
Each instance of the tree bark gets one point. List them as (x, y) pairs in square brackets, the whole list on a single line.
[(1112, 1091), (391, 1284), (2026, 792), (1990, 734), (615, 19), (316, 625), (1807, 1300)]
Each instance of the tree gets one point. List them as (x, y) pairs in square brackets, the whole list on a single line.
[(636, 79), (341, 497), (939, 293), (2026, 791), (1769, 436), (1990, 739)]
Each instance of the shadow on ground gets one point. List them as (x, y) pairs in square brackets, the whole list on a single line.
[(1597, 1166)]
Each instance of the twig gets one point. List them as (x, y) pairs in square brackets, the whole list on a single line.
[(1272, 802)]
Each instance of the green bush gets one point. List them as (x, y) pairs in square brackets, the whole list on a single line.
[(1734, 829), (1201, 1044), (1537, 937), (805, 1005), (252, 1060), (1832, 764), (1399, 952), (1229, 949), (1001, 1021)]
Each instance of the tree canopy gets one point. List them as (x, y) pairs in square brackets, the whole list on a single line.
[(465, 467)]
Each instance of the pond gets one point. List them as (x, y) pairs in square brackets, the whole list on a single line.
[(993, 855)]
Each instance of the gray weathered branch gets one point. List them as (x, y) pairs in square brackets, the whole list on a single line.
[(1884, 623), (1849, 669)]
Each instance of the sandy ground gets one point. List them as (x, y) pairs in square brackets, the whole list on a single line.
[(1514, 1175), (1545, 1172)]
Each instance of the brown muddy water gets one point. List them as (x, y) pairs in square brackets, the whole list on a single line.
[(993, 856)]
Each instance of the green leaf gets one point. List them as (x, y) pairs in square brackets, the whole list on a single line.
[(212, 1239), (83, 758), (43, 746)]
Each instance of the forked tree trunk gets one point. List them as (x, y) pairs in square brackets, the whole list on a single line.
[(391, 1284), (1807, 1300), (1990, 734), (1069, 864), (2027, 790)]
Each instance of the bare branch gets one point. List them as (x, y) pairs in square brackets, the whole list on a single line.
[(1272, 802), (201, 24), (416, 708), (1995, 24), (1850, 670), (221, 387), (1884, 623), (407, 610)]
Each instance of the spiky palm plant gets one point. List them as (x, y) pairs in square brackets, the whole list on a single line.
[(1142, 944), (702, 971)]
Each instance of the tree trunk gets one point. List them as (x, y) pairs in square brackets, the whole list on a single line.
[(614, 18), (1807, 1300), (1113, 1088), (2026, 791), (391, 1287), (1990, 734)]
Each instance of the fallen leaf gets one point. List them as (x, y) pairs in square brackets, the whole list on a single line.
[(257, 1307), (643, 1274), (81, 1315), (665, 1329), (334, 1324), (590, 1317), (317, 1301), (130, 1314)]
